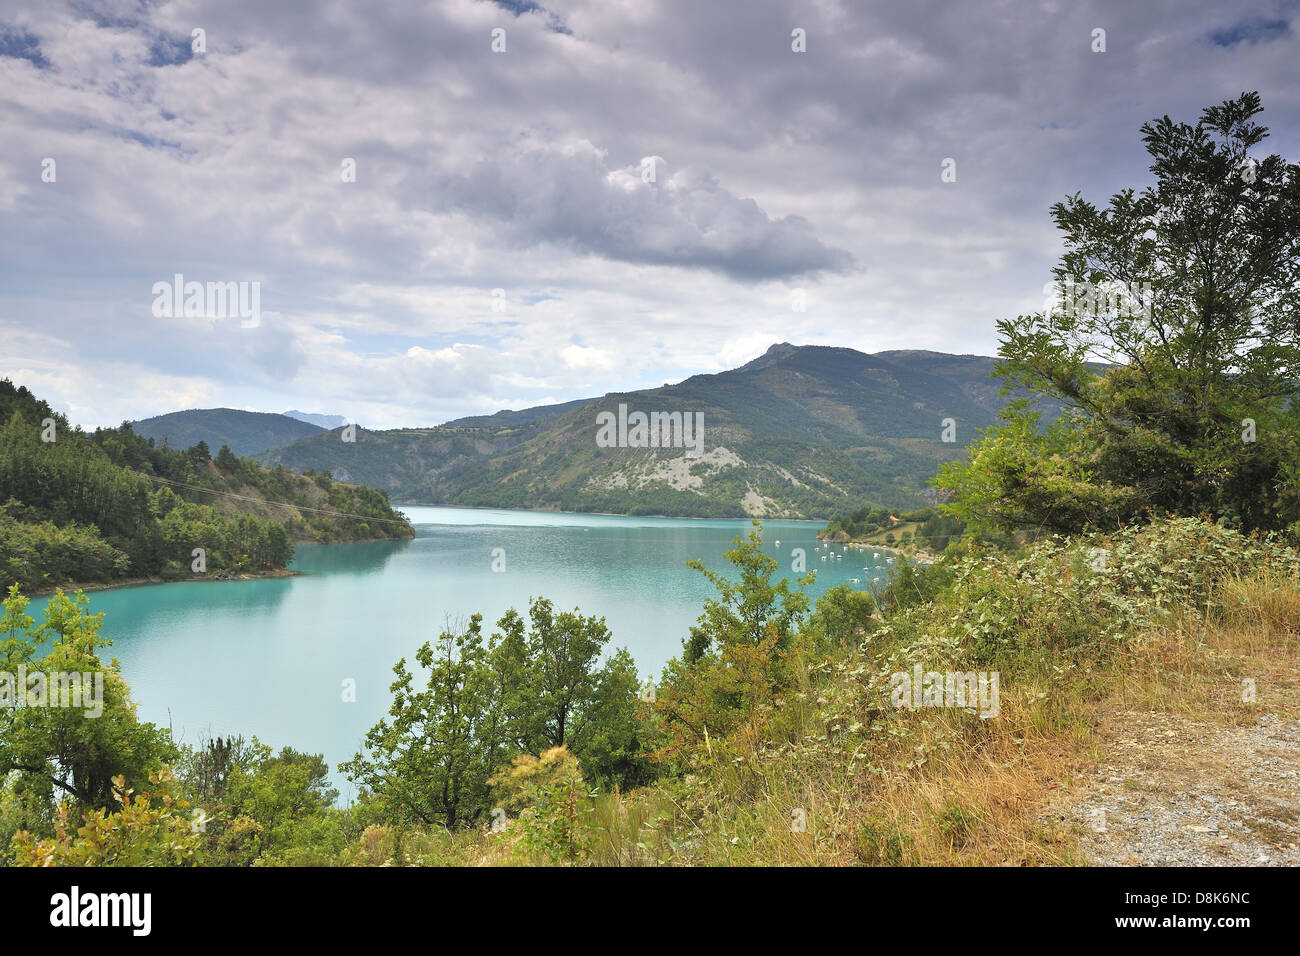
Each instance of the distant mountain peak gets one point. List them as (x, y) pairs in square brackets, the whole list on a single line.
[(775, 352), (316, 418)]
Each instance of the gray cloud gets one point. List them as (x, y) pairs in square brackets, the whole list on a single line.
[(642, 214), (521, 172)]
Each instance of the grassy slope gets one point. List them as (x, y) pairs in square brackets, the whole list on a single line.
[(1167, 629)]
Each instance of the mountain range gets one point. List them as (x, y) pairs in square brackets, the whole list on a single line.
[(801, 431)]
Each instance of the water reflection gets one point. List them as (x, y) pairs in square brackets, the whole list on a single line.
[(355, 557)]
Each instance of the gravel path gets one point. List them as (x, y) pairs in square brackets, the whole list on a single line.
[(1173, 791)]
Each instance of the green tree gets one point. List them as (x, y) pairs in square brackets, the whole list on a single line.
[(207, 769), (841, 617), (226, 459), (748, 610), (428, 761), (737, 658), (1173, 345), (556, 692), (278, 807), (536, 684), (608, 736), (74, 751)]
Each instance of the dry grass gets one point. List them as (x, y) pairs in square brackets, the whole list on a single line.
[(977, 795), (943, 787)]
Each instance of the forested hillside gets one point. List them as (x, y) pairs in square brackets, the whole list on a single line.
[(111, 506), (802, 431), (244, 432)]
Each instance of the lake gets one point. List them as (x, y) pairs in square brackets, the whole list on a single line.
[(268, 657)]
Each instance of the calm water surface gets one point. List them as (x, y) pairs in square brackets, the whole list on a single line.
[(269, 657)]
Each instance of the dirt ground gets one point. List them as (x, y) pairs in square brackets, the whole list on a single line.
[(1170, 790)]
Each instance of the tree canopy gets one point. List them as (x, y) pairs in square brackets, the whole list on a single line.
[(1172, 341)]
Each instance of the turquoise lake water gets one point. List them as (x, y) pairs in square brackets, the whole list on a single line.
[(268, 657)]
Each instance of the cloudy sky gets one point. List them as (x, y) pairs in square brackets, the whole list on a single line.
[(632, 191)]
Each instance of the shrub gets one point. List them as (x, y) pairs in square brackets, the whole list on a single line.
[(150, 829), (554, 804)]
